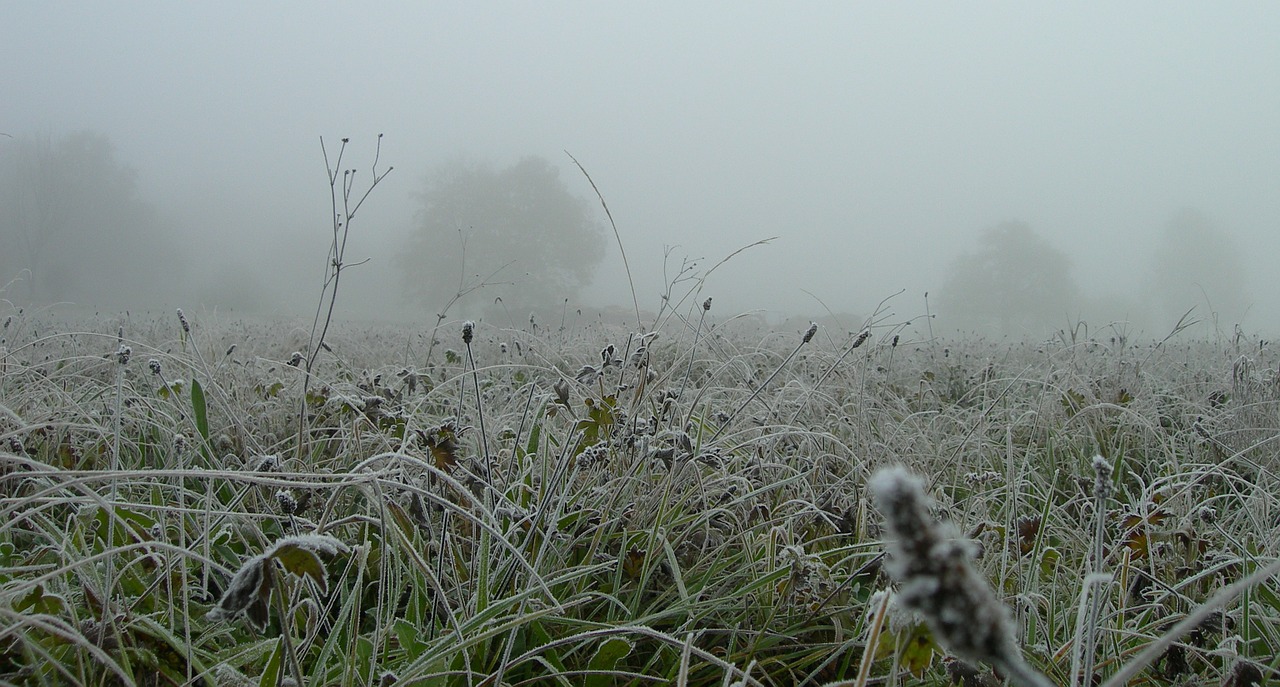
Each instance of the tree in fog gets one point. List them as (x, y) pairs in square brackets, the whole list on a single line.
[(517, 231), (1196, 264), (1014, 282), (74, 226)]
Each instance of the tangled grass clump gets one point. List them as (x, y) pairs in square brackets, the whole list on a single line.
[(687, 504)]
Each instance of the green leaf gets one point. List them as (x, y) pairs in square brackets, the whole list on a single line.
[(409, 637), (271, 673), (918, 649), (606, 659), (38, 602), (172, 653), (1049, 561), (302, 561), (535, 435), (1072, 402), (268, 392), (201, 411), (914, 647)]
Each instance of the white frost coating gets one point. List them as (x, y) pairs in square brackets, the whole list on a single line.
[(938, 582)]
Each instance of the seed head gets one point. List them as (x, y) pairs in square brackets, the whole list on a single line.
[(932, 566), (808, 335), (267, 463), (123, 353), (288, 502), (182, 318), (1101, 478), (468, 331), (154, 366)]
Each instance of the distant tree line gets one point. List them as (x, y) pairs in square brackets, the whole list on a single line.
[(74, 227), (1015, 282), (511, 240)]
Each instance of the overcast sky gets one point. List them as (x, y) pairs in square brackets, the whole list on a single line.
[(875, 140)]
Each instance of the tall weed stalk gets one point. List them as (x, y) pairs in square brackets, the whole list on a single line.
[(344, 202)]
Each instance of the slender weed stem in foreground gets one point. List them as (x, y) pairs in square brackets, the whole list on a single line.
[(808, 336), (625, 265), (468, 333), (343, 208), (107, 626), (1084, 656), (857, 341), (1193, 620), (693, 350), (938, 581)]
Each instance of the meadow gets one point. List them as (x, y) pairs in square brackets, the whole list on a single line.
[(199, 499)]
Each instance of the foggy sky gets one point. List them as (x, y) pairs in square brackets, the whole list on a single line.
[(876, 140)]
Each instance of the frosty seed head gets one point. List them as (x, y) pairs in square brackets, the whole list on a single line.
[(182, 319), (468, 332), (267, 463), (123, 353), (154, 366), (935, 577), (1101, 478), (808, 335), (288, 502)]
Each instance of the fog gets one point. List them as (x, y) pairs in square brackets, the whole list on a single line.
[(877, 142)]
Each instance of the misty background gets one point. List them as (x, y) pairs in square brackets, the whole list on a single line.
[(1129, 150)]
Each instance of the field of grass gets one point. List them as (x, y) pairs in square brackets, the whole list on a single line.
[(597, 505)]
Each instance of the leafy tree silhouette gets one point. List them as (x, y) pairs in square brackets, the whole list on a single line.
[(1014, 281), (517, 232)]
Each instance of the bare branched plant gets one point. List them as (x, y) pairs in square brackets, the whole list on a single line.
[(345, 201)]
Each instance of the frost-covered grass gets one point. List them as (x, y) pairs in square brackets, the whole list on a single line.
[(686, 505)]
